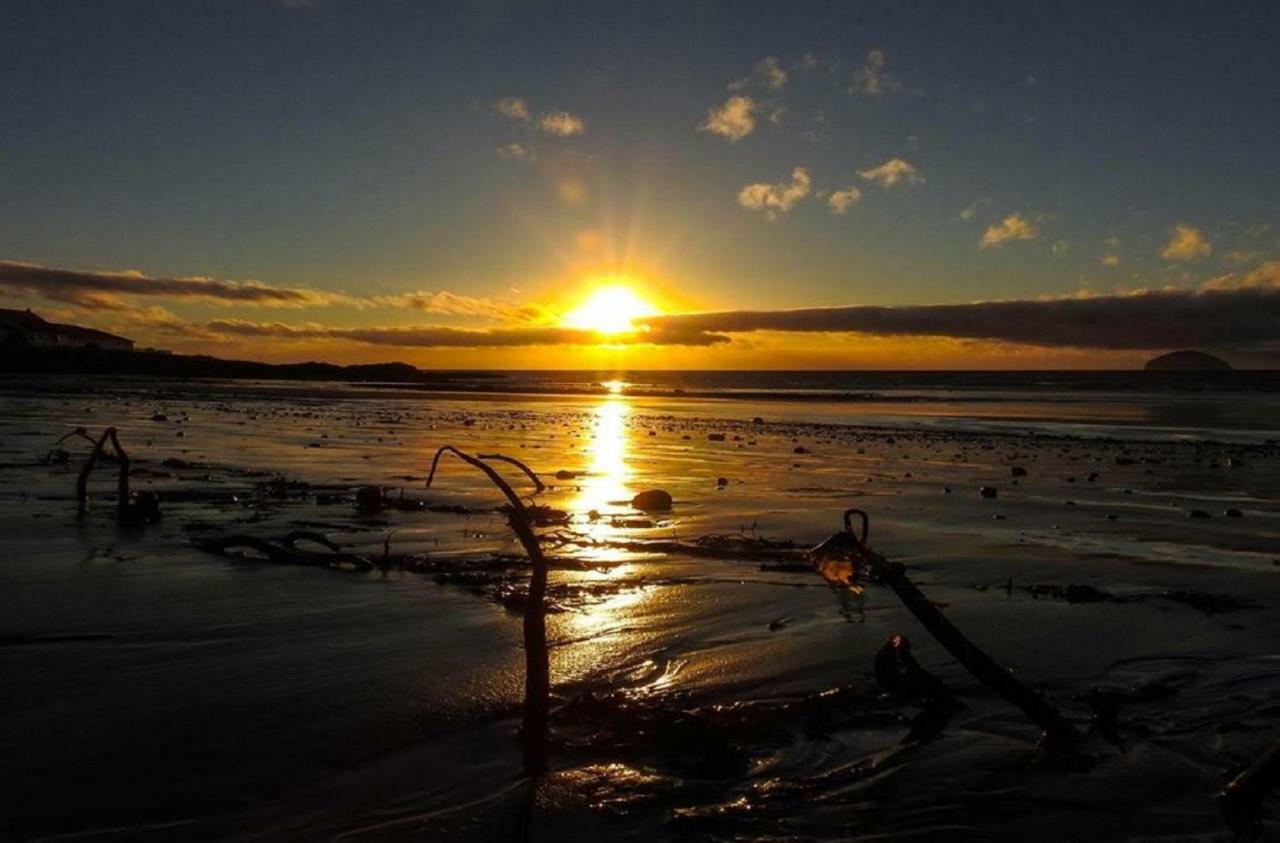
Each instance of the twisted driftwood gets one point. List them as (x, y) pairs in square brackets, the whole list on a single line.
[(537, 675), (122, 478), (286, 552), (844, 555), (1242, 797), (529, 472)]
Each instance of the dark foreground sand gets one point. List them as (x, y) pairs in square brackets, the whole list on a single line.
[(156, 691)]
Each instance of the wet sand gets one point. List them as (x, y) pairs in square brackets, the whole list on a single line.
[(160, 690)]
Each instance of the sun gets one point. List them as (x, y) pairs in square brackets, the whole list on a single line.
[(610, 309)]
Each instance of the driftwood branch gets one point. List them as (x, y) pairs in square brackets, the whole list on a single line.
[(529, 472), (122, 479), (1243, 795), (286, 551), (79, 433), (537, 677), (851, 549)]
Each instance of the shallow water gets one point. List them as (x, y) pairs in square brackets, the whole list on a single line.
[(159, 690)]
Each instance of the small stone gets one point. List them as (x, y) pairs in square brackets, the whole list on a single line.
[(653, 500), (1198, 513), (1017, 471), (988, 492), (1233, 513), (370, 499), (715, 437)]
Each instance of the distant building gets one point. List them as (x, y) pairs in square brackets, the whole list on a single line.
[(22, 327)]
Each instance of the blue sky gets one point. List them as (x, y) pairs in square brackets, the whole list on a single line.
[(348, 146)]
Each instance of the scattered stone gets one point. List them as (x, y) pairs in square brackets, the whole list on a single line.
[(988, 492), (370, 499), (653, 500), (1017, 471)]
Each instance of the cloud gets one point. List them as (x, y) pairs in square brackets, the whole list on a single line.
[(733, 120), (1110, 259), (872, 80), (892, 172), (1264, 276), (1186, 243), (1012, 227), (1149, 319), (972, 210), (841, 200), (98, 290), (561, 123), (516, 152), (767, 74), (455, 304), (513, 108), (775, 199), (1237, 257), (440, 337)]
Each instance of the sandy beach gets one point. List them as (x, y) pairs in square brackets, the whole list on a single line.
[(165, 690)]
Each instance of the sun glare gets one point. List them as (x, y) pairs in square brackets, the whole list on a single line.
[(609, 310)]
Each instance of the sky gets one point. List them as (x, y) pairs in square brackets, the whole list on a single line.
[(784, 185)]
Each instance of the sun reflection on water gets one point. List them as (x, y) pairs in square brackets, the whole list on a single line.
[(606, 627), (607, 479)]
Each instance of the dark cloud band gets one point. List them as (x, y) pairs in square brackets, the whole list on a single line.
[(437, 337), (1144, 320), (94, 289)]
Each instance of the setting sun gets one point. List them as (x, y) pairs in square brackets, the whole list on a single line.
[(609, 310)]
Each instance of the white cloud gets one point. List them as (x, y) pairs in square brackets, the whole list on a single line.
[(1110, 259), (767, 72), (972, 210), (872, 80), (513, 108), (841, 200), (516, 152), (733, 120), (1186, 243), (561, 123), (775, 199), (894, 171), (1265, 276), (448, 303), (1012, 227)]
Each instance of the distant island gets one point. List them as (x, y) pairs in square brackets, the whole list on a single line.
[(1187, 361)]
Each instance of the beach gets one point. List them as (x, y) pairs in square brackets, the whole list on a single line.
[(1127, 550)]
